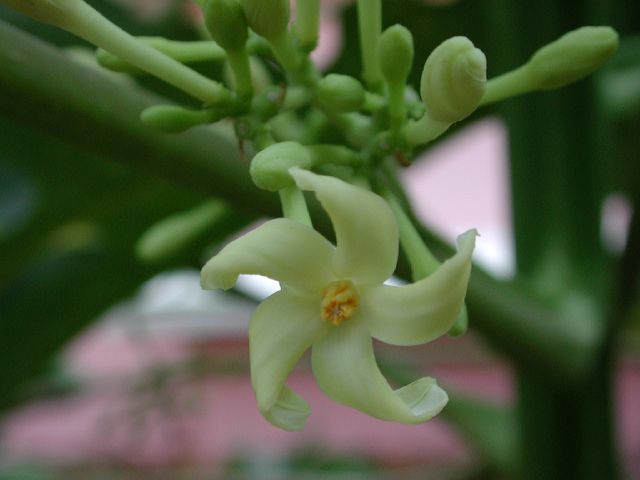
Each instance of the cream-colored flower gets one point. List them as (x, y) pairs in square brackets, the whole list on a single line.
[(333, 300)]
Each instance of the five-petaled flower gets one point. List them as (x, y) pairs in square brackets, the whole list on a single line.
[(333, 300)]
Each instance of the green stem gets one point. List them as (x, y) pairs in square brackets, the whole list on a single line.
[(294, 205), (103, 117), (420, 258), (397, 110), (510, 84), (183, 52), (425, 130), (324, 154), (370, 28), (373, 102), (286, 52), (239, 62)]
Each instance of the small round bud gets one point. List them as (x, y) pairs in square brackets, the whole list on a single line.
[(270, 168), (574, 55), (268, 18), (226, 22), (454, 80), (340, 93), (395, 49)]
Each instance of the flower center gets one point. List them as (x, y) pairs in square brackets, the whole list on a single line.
[(339, 301)]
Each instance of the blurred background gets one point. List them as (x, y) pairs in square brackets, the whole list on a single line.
[(111, 367)]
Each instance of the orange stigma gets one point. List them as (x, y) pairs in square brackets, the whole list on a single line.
[(339, 301)]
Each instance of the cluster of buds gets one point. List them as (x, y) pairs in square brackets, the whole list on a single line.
[(336, 136)]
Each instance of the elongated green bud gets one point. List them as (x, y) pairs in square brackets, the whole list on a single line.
[(573, 56), (175, 119), (454, 80), (340, 93), (54, 12), (226, 22), (176, 233), (396, 54), (268, 18), (307, 23), (184, 52), (270, 168)]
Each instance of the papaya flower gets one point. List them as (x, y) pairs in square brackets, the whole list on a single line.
[(334, 301)]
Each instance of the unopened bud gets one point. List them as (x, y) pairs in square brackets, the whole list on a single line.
[(54, 12), (340, 93), (177, 233), (571, 57), (454, 80), (175, 119), (226, 22), (268, 18), (270, 167), (395, 49)]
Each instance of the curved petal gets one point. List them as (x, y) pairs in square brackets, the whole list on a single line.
[(366, 230), (419, 312), (281, 249), (281, 329), (346, 370)]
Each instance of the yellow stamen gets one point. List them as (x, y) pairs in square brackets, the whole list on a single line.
[(339, 301)]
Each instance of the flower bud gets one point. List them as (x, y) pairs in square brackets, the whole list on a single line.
[(454, 80), (268, 18), (177, 233), (270, 168), (340, 93), (53, 12), (574, 55), (226, 22), (175, 119), (396, 54)]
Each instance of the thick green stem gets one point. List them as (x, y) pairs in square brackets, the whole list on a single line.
[(566, 429), (102, 116)]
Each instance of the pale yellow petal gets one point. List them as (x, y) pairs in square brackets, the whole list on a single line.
[(346, 370), (281, 249), (422, 311), (366, 230), (281, 329)]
